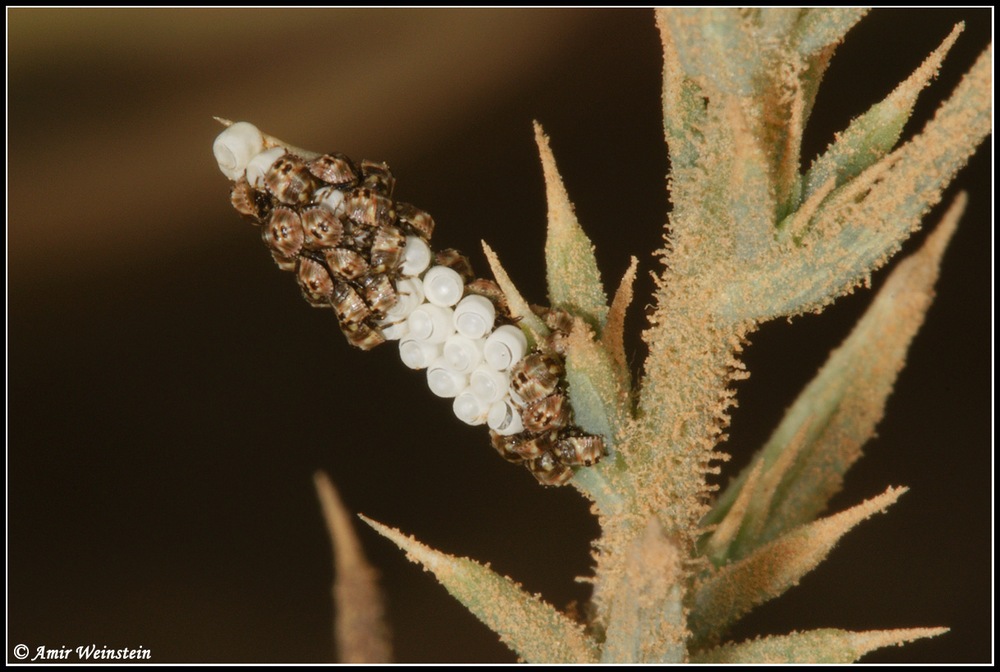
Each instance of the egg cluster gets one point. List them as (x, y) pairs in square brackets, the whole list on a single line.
[(334, 223)]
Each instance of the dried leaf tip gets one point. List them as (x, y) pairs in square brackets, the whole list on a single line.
[(934, 248), (613, 337), (360, 630)]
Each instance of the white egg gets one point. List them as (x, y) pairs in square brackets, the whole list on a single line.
[(470, 409), (416, 256), (235, 147), (474, 316), (505, 346), (443, 381), (431, 323), (418, 354), (443, 286), (463, 354)]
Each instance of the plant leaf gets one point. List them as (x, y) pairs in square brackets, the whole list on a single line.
[(571, 268), (825, 645), (823, 432), (869, 137), (718, 543), (600, 404), (699, 134), (613, 336), (533, 629), (519, 308), (741, 527), (360, 630), (727, 594)]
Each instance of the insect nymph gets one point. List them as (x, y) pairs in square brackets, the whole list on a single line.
[(333, 222)]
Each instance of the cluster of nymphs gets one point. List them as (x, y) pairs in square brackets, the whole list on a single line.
[(333, 222)]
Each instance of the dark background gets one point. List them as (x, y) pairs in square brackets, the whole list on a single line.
[(170, 395)]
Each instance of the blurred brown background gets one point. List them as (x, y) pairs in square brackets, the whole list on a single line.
[(170, 395)]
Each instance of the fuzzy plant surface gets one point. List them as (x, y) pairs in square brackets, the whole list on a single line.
[(750, 237)]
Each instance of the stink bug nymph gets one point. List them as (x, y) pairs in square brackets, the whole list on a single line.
[(579, 451), (283, 233), (535, 377), (290, 180)]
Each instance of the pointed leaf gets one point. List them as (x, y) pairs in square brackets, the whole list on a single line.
[(908, 182), (613, 337), (574, 279), (823, 432), (744, 59), (360, 630), (869, 137), (530, 627), (646, 615), (600, 404), (793, 98), (756, 491), (726, 595), (826, 645), (811, 77), (722, 537), (519, 308)]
